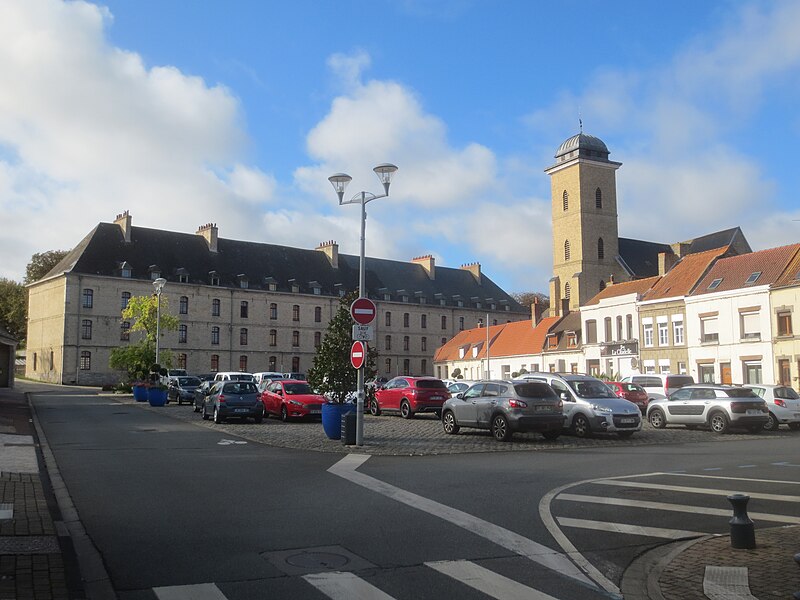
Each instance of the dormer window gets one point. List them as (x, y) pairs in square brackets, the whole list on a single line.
[(715, 284), (552, 341), (271, 284), (753, 278), (155, 272), (183, 275), (213, 277), (316, 287), (244, 282), (341, 292), (572, 339), (125, 270), (295, 286), (461, 352)]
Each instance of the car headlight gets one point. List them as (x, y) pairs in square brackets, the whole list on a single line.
[(295, 403), (601, 409)]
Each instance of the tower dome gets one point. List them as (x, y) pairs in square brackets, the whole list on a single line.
[(582, 145)]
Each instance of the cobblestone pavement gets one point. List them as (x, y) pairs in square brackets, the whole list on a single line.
[(393, 436)]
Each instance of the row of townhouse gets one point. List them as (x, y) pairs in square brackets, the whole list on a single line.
[(716, 315)]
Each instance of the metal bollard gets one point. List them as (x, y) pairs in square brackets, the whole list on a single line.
[(743, 534), (796, 595)]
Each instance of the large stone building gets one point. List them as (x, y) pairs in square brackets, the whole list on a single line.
[(242, 306)]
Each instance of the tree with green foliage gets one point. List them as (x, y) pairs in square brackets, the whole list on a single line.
[(331, 373), (41, 264), (136, 358), (14, 308)]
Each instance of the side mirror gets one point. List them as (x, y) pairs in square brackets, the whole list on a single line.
[(460, 395), (565, 397)]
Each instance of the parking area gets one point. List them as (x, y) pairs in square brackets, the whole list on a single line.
[(423, 435)]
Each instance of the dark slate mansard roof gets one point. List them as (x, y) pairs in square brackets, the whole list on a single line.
[(103, 251)]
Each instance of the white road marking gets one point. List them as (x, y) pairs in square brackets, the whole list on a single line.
[(224, 442), (713, 469), (704, 510), (6, 511), (547, 557), (680, 474), (486, 581), (747, 466), (727, 583), (784, 464), (691, 490), (670, 534), (345, 586), (201, 591)]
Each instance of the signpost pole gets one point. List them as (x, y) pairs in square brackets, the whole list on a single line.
[(362, 288)]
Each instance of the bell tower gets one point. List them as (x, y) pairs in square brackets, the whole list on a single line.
[(585, 228)]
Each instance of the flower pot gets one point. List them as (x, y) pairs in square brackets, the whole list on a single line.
[(332, 418), (140, 393), (156, 396)]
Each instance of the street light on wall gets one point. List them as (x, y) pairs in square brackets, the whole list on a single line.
[(339, 181), (158, 284)]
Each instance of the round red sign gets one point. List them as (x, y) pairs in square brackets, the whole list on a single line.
[(363, 311), (358, 354)]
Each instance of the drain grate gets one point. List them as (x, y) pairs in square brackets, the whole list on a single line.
[(28, 544), (302, 561)]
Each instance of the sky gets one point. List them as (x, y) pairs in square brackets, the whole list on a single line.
[(236, 112)]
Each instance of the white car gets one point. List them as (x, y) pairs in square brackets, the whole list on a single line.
[(783, 403)]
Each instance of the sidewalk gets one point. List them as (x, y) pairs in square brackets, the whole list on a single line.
[(31, 557)]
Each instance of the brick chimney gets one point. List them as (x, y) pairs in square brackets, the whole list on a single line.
[(681, 248), (209, 233), (428, 263), (536, 311), (331, 250), (124, 222), (475, 269), (666, 260)]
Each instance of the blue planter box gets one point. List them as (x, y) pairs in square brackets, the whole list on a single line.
[(156, 396), (140, 393), (332, 418)]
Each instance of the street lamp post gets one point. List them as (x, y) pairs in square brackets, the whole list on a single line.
[(158, 284), (385, 172)]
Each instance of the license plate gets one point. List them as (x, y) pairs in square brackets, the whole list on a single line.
[(314, 412), (543, 408), (754, 411), (436, 398), (627, 420), (241, 410)]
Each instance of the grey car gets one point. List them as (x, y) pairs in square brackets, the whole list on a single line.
[(504, 407), (181, 388), (718, 407), (233, 399)]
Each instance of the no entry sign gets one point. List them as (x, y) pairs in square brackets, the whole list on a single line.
[(358, 354), (363, 311)]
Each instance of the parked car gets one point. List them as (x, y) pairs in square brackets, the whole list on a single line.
[(234, 376), (505, 407), (719, 407), (409, 396), (295, 376), (659, 385), (200, 394), (237, 398), (267, 376), (182, 388), (206, 376), (632, 392), (459, 386), (291, 398), (590, 406), (783, 403)]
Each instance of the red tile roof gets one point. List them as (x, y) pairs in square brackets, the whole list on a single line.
[(684, 275), (733, 272), (791, 275), (509, 339), (637, 286)]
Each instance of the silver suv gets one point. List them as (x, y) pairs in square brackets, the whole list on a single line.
[(590, 406), (718, 407)]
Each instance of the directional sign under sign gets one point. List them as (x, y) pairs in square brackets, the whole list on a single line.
[(358, 354), (363, 333), (363, 311)]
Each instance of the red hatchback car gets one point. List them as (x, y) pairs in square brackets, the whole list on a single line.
[(631, 392), (410, 395), (291, 399)]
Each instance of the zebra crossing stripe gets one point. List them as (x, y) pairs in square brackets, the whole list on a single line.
[(486, 581), (719, 512), (345, 586), (670, 534), (693, 490), (727, 583), (6, 511), (749, 479), (200, 591)]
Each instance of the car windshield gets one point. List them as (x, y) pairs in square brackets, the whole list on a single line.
[(239, 387), (535, 389), (431, 384), (786, 393), (741, 393), (631, 387), (242, 377), (297, 388), (649, 381), (591, 388), (188, 381)]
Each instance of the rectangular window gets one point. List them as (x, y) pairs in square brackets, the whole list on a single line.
[(387, 342), (406, 343), (243, 336), (273, 311), (784, 323), (705, 373), (273, 337), (663, 334), (681, 368), (607, 323), (423, 367), (388, 319), (629, 326), (215, 363), (182, 360), (125, 331), (406, 366), (124, 299), (677, 332), (461, 323), (86, 360), (296, 312), (619, 328), (647, 329), (591, 331), (243, 363), (296, 364), (86, 329), (752, 371), (423, 321), (709, 330), (317, 339), (273, 363), (295, 338), (243, 309), (183, 332), (406, 319), (317, 314), (444, 322), (749, 326), (572, 340), (184, 305), (215, 307), (88, 298), (215, 336), (424, 344)]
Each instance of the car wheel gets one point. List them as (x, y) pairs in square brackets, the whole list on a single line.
[(284, 413), (500, 428), (581, 426), (405, 410), (196, 408), (217, 417), (374, 408), (449, 423), (657, 418), (772, 423), (551, 435), (718, 422), (794, 426), (624, 435), (205, 414), (259, 418)]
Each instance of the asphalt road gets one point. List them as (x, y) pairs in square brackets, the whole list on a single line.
[(170, 503)]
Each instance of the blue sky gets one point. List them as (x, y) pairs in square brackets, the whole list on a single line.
[(236, 113)]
